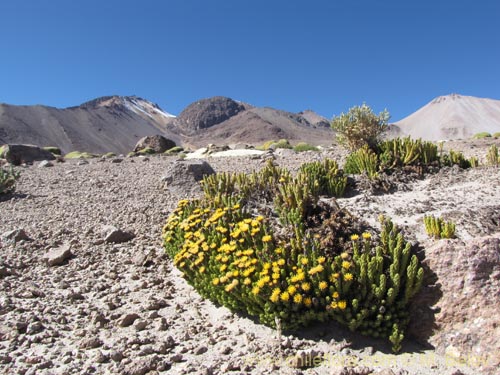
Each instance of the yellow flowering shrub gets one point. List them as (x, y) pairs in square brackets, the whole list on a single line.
[(275, 264)]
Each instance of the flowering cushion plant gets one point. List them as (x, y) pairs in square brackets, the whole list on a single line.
[(276, 265)]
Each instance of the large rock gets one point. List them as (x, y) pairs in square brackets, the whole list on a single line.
[(58, 256), (208, 112), (19, 154), (464, 292), (186, 175), (158, 143)]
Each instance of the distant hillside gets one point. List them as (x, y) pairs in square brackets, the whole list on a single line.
[(452, 117), (223, 120), (113, 123)]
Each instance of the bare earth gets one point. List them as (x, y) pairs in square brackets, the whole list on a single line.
[(123, 309)]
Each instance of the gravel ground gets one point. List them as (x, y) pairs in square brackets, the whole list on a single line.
[(121, 308)]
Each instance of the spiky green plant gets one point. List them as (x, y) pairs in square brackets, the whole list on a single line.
[(492, 157), (400, 152), (482, 135), (324, 178), (363, 160), (8, 179), (436, 227)]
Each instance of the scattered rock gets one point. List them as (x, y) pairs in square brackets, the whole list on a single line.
[(128, 319), (186, 175), (58, 255), (82, 162), (15, 236), (306, 358), (45, 164), (91, 343), (20, 154), (157, 143), (114, 235)]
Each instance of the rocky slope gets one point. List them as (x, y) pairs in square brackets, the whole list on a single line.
[(452, 117), (223, 120), (107, 124), (85, 287)]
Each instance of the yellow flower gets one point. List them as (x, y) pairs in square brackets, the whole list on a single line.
[(344, 255), (334, 305), (291, 290), (342, 305), (335, 295), (215, 281), (285, 296), (266, 238), (297, 298), (254, 223), (236, 273), (304, 261), (254, 231), (321, 260), (275, 276), (275, 295), (281, 262), (223, 268), (247, 281), (236, 233), (221, 229), (202, 269), (261, 283), (236, 206), (366, 236), (278, 250), (348, 277), (305, 287), (255, 290), (323, 285), (354, 237), (308, 301), (244, 227), (266, 266), (346, 264)]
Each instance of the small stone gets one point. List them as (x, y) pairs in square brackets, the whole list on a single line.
[(114, 235), (128, 319), (200, 350), (140, 325), (15, 236), (34, 328), (100, 357), (116, 160), (82, 162), (58, 255), (306, 358), (45, 164), (91, 343), (116, 355), (176, 358)]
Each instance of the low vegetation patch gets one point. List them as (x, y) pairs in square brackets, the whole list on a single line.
[(282, 143), (174, 150), (8, 179), (54, 150), (267, 245), (438, 228), (493, 157), (80, 155), (302, 146), (482, 135)]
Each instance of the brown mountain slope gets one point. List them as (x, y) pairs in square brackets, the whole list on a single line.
[(222, 120), (452, 117), (102, 125)]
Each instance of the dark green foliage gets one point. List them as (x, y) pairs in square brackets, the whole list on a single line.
[(8, 179)]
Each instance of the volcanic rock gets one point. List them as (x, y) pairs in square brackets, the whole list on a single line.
[(19, 154), (158, 143)]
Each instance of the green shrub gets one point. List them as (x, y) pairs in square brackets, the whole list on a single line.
[(492, 157), (496, 135), (482, 135), (325, 178), (109, 155), (306, 264), (146, 151), (8, 179), (174, 150), (438, 228), (282, 143), (360, 126), (302, 146), (400, 152), (80, 155), (54, 150), (363, 160)]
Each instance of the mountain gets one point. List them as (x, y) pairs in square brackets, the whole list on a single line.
[(452, 117), (111, 123), (224, 120)]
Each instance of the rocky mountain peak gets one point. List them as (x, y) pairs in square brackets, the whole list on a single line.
[(208, 112)]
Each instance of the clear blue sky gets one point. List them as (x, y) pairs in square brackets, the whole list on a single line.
[(292, 55)]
